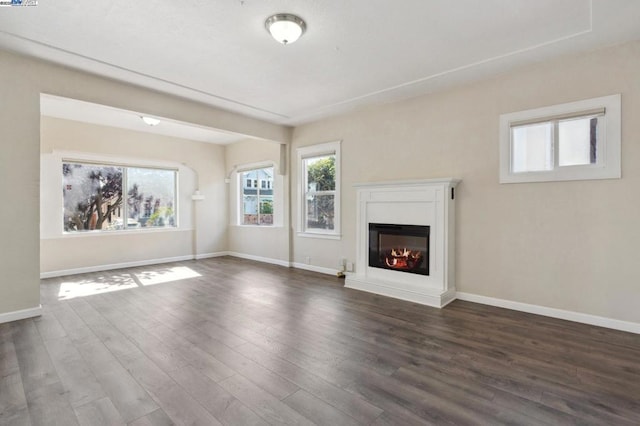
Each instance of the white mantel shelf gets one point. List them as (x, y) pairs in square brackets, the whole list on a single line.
[(416, 182), (426, 202)]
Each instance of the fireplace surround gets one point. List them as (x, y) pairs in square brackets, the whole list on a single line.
[(405, 240)]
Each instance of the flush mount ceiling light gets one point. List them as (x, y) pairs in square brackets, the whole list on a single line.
[(150, 120), (285, 27)]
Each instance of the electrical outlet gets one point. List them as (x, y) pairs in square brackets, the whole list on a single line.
[(349, 266), (341, 264), (307, 260)]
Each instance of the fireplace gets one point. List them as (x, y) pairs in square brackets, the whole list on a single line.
[(405, 236), (403, 248)]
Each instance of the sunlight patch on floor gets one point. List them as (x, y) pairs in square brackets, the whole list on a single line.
[(103, 284), (166, 275), (106, 283)]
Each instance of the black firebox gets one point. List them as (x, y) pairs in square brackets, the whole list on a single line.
[(403, 248)]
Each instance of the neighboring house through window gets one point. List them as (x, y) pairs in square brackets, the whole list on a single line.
[(256, 197)]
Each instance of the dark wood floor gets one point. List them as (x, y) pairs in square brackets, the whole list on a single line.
[(243, 343)]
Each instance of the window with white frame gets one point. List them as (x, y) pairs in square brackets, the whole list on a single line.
[(573, 141), (319, 190), (107, 197), (256, 196)]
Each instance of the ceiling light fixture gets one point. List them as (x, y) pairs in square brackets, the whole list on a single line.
[(285, 27), (150, 120)]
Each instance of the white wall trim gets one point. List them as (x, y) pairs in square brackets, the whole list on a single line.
[(279, 262), (615, 324), (319, 235), (312, 268), (21, 314), (119, 232), (210, 255), (100, 268)]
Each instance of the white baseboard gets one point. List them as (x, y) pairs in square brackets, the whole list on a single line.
[(615, 324), (210, 255), (279, 262), (260, 259), (21, 314), (99, 268), (320, 269)]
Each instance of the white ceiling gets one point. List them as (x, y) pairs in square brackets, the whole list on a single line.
[(354, 53)]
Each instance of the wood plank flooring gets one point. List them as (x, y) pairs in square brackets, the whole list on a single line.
[(244, 343)]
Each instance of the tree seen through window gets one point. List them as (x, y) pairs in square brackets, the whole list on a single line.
[(93, 197)]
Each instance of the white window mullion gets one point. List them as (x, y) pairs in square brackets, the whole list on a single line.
[(555, 143), (125, 204), (258, 201)]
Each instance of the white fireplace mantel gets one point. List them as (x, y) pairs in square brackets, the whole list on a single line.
[(428, 202)]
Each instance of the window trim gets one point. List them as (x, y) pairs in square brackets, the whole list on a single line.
[(607, 164), (328, 148), (239, 198), (125, 166)]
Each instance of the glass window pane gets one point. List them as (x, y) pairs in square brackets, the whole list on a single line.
[(532, 148), (257, 199), (321, 173), (250, 210), (577, 141), (266, 210), (150, 198), (320, 211), (92, 196)]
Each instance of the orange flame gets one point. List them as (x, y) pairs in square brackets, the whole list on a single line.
[(403, 258)]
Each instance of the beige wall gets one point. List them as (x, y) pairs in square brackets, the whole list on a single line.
[(19, 182), (197, 162), (566, 245), (23, 81), (267, 242)]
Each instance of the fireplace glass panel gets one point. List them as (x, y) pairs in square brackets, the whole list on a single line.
[(403, 248)]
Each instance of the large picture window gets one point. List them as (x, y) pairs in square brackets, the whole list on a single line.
[(256, 196), (113, 197), (320, 190)]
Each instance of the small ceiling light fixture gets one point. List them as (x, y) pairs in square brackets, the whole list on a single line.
[(285, 27), (150, 120)]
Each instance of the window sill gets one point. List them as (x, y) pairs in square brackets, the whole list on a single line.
[(323, 236), (565, 174), (84, 234), (258, 226)]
